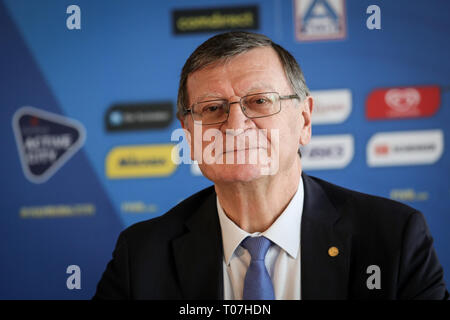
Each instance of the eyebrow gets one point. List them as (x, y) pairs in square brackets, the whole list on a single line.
[(211, 95), (260, 86)]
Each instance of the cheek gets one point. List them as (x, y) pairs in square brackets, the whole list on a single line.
[(290, 130), (281, 131), (296, 123), (290, 140)]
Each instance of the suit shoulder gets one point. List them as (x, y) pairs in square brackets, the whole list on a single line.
[(365, 204), (171, 222)]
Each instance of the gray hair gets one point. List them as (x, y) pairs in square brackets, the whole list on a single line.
[(223, 47)]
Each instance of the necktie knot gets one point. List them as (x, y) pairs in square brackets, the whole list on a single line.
[(257, 247)]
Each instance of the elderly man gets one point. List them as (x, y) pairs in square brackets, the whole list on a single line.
[(266, 230)]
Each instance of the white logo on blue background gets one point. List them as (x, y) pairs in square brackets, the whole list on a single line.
[(45, 141), (116, 118), (320, 19)]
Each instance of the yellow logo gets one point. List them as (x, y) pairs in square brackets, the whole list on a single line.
[(140, 161)]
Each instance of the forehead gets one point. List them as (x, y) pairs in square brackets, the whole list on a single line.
[(256, 69)]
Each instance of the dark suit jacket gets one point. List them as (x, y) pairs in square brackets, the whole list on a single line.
[(179, 255)]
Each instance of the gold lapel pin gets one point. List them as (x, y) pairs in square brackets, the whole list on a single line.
[(333, 251)]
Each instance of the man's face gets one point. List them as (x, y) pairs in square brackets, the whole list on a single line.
[(258, 70)]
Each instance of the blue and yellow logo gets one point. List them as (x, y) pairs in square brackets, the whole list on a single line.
[(140, 161)]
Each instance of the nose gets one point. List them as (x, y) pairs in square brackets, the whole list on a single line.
[(236, 118)]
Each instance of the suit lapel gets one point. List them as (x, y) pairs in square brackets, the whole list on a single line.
[(199, 254), (324, 274)]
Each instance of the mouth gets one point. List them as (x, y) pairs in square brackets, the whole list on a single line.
[(243, 149), (239, 150)]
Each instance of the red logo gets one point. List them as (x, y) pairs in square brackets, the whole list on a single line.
[(406, 102), (381, 149)]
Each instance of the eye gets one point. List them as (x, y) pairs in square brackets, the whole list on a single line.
[(260, 101), (211, 108)]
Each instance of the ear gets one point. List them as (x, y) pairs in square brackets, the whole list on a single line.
[(307, 107)]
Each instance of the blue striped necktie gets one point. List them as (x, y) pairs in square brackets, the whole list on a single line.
[(257, 283)]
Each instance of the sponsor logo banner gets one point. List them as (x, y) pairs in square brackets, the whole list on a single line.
[(57, 211), (409, 194), (139, 116), (331, 106), (405, 148), (140, 161), (320, 19), (45, 141), (405, 102), (215, 19), (138, 207), (328, 152)]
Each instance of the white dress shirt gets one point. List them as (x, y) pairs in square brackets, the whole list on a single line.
[(282, 260)]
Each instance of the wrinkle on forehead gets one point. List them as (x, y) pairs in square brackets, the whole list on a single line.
[(230, 76)]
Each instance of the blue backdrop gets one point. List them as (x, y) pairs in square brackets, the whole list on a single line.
[(126, 51)]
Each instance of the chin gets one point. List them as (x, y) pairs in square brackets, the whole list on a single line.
[(232, 172)]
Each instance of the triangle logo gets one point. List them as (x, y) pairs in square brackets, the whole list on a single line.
[(45, 141)]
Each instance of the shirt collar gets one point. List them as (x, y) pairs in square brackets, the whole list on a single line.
[(284, 232)]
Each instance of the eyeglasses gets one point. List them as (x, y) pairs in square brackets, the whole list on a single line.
[(257, 105)]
